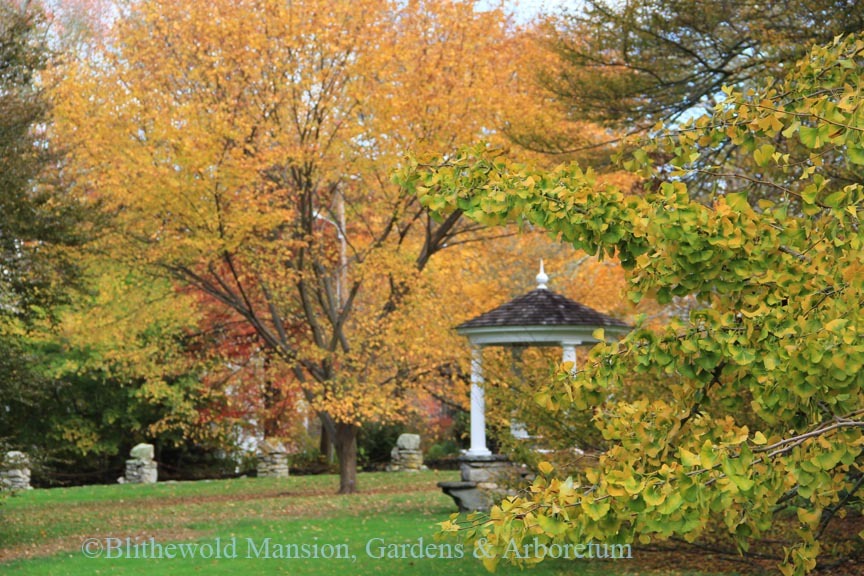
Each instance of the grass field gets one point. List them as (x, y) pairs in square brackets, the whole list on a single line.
[(225, 526)]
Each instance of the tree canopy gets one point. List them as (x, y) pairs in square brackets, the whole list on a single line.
[(635, 63), (244, 149), (40, 220), (37, 217)]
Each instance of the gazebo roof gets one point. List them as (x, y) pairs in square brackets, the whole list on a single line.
[(542, 307), (540, 317)]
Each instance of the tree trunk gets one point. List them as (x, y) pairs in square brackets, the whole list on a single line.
[(273, 398), (325, 445), (345, 443)]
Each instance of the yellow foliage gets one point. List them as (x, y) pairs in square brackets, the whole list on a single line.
[(243, 147)]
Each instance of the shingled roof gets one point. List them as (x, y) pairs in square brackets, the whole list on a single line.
[(542, 307)]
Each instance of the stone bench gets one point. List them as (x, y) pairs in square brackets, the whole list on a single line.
[(468, 497), (483, 479)]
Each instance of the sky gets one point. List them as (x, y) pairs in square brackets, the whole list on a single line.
[(526, 9), (533, 7)]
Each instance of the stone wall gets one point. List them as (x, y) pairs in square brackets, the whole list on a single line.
[(272, 459), (141, 468), (15, 471), (493, 473), (406, 456)]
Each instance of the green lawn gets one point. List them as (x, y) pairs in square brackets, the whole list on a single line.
[(230, 521)]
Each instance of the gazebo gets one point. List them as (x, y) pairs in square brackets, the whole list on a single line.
[(539, 318)]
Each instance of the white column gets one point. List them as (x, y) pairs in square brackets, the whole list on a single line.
[(569, 354), (478, 406)]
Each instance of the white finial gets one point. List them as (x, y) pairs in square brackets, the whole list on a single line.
[(542, 278)]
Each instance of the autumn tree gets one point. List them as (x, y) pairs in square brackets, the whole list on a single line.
[(244, 149), (39, 219), (258, 396), (762, 425)]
